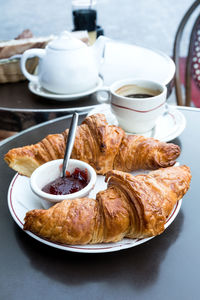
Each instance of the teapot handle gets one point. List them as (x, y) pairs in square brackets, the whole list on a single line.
[(30, 54)]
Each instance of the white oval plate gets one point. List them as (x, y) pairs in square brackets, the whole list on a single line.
[(168, 127), (21, 199), (36, 89), (122, 60)]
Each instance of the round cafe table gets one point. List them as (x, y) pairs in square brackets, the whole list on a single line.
[(166, 267), (20, 108)]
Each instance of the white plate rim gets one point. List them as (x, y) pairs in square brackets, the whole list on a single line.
[(177, 115), (63, 97), (171, 110), (129, 243)]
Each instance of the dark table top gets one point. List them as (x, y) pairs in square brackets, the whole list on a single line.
[(17, 97), (20, 109), (166, 267)]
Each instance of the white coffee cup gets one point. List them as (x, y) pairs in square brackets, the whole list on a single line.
[(136, 114)]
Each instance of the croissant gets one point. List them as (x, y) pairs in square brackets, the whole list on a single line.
[(131, 206), (105, 147)]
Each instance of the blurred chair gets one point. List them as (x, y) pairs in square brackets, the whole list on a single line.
[(188, 68)]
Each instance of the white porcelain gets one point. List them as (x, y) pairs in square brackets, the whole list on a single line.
[(38, 90), (137, 115), (51, 170), (168, 126), (123, 60), (66, 65), (20, 205)]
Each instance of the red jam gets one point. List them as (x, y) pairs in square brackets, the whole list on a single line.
[(69, 184)]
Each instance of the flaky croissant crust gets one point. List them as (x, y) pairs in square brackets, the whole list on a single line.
[(132, 207), (105, 147)]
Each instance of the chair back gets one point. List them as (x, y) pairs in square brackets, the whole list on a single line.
[(191, 64)]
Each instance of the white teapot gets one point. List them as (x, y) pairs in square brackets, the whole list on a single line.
[(66, 65)]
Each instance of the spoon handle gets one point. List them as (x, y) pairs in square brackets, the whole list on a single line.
[(70, 142)]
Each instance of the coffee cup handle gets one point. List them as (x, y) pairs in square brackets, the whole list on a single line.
[(107, 95), (30, 54)]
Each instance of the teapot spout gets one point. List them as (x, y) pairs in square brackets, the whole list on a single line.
[(99, 48)]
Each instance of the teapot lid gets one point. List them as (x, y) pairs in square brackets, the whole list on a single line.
[(66, 41)]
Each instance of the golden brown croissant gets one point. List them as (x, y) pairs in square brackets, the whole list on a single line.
[(105, 147), (132, 206)]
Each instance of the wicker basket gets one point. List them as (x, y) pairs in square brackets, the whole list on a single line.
[(10, 70)]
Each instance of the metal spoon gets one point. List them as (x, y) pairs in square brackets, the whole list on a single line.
[(70, 142)]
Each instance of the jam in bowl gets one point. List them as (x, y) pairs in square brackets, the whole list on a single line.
[(69, 184), (48, 183)]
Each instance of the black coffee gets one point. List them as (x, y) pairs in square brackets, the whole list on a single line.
[(139, 96)]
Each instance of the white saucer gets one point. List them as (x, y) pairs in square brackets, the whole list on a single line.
[(36, 89), (168, 127)]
